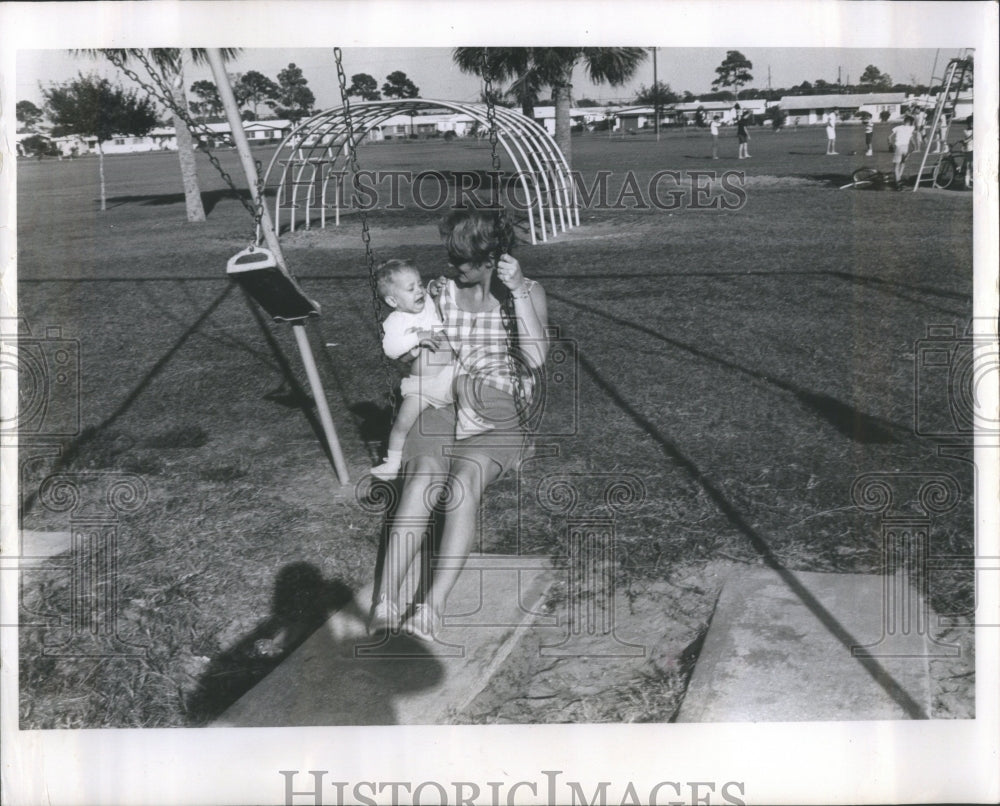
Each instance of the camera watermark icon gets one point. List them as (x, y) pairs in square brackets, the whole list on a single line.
[(906, 503), (954, 376), (46, 367), (94, 502)]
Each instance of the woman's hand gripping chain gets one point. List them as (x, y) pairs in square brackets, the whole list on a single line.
[(509, 272)]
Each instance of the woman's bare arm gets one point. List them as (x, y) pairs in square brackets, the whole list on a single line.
[(530, 308)]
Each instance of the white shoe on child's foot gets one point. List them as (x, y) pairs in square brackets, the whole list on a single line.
[(423, 624), (386, 471)]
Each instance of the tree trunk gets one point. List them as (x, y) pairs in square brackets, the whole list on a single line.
[(562, 92), (100, 169), (185, 152), (189, 171)]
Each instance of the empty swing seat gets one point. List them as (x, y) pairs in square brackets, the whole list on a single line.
[(276, 291)]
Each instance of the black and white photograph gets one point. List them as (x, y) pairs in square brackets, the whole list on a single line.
[(557, 403)]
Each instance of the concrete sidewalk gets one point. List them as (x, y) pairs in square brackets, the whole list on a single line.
[(801, 646), (341, 676)]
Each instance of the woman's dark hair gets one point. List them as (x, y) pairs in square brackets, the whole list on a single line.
[(475, 236)]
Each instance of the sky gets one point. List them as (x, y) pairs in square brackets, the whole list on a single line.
[(431, 68)]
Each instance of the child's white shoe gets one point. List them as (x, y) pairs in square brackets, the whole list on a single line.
[(386, 471)]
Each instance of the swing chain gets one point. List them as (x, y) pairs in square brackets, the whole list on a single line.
[(507, 315), (366, 236), (164, 95), (258, 205), (491, 121)]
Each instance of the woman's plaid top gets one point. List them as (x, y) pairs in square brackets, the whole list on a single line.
[(480, 343)]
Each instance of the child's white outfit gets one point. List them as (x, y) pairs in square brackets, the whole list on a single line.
[(434, 386), (400, 329)]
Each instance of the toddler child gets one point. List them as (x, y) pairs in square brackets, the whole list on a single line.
[(412, 331)]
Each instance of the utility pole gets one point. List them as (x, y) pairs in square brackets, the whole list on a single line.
[(656, 98)]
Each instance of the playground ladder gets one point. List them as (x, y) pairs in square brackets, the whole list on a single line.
[(947, 99)]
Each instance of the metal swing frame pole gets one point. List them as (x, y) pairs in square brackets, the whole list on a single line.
[(270, 237)]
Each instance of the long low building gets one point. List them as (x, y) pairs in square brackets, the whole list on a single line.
[(812, 109), (260, 132)]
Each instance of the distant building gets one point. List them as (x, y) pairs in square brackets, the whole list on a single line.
[(72, 145), (642, 117), (812, 109), (726, 110), (423, 126), (587, 116)]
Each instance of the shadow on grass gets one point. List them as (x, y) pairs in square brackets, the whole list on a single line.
[(89, 435), (291, 393), (831, 180), (302, 602), (209, 199), (889, 286), (333, 684), (850, 422), (374, 423), (670, 450)]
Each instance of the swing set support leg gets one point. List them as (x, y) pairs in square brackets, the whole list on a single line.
[(322, 408), (271, 239)]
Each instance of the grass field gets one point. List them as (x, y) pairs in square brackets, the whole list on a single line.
[(746, 364)]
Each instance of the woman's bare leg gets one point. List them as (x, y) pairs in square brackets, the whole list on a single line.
[(409, 525), (468, 478)]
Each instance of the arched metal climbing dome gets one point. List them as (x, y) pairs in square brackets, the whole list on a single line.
[(306, 173)]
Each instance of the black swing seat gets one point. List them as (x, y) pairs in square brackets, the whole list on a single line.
[(274, 289)]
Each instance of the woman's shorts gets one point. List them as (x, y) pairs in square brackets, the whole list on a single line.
[(433, 435)]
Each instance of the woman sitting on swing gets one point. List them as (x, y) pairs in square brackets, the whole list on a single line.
[(453, 453)]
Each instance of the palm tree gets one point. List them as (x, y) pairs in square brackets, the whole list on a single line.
[(171, 62), (532, 68)]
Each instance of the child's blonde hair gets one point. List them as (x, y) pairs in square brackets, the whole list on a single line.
[(387, 272)]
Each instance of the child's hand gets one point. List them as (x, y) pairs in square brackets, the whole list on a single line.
[(430, 339), (436, 286), (509, 272)]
